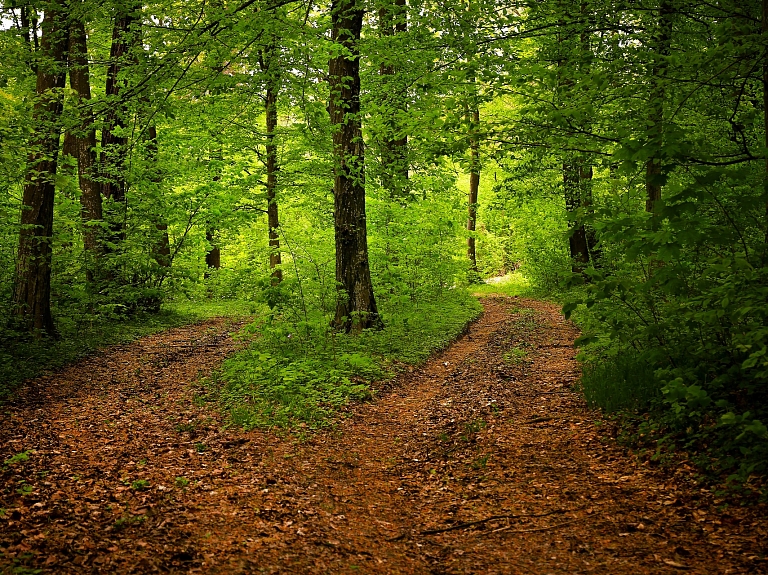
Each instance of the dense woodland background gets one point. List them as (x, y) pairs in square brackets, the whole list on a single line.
[(352, 167)]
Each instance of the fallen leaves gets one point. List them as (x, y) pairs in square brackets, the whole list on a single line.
[(468, 464)]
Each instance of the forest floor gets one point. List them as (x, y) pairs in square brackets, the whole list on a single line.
[(483, 460)]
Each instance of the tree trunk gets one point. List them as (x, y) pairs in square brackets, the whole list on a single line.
[(474, 185), (577, 169), (113, 144), (577, 242), (585, 192), (213, 253), (269, 65), (394, 147), (660, 48), (32, 288), (356, 307), (29, 32), (81, 144), (764, 29)]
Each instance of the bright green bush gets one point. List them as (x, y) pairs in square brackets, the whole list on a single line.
[(299, 371)]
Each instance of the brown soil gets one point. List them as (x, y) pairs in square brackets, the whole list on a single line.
[(481, 461)]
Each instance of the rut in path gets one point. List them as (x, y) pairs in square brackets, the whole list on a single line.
[(484, 460)]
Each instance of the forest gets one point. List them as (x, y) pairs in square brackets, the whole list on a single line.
[(348, 174)]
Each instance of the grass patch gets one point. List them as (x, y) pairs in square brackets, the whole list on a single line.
[(622, 382), (21, 360), (302, 373), (514, 284)]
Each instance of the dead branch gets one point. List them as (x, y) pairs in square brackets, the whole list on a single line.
[(547, 528), (487, 519)]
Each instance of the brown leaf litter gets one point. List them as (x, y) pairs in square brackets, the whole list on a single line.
[(483, 460)]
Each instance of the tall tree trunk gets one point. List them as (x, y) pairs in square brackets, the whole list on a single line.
[(29, 33), (113, 143), (474, 184), (32, 288), (585, 165), (81, 144), (356, 307), (577, 169), (269, 65), (393, 19), (660, 48), (764, 28)]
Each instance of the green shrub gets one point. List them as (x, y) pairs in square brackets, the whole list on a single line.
[(299, 372), (622, 382)]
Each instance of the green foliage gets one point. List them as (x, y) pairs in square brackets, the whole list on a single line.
[(20, 457), (624, 381), (624, 97), (140, 485), (302, 373)]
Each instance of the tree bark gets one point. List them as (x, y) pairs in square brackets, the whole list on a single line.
[(356, 306), (764, 29), (474, 185), (394, 147), (81, 144), (113, 143), (29, 32), (213, 253), (660, 48), (577, 241), (32, 288), (269, 66), (577, 169)]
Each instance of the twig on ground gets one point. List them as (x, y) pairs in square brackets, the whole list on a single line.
[(399, 537), (547, 528), (492, 518), (547, 418)]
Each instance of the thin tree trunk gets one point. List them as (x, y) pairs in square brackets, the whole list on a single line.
[(113, 144), (474, 185), (577, 241), (660, 47), (764, 28), (394, 148), (32, 288), (269, 65), (585, 193), (29, 31), (81, 144), (585, 167), (356, 307), (213, 253)]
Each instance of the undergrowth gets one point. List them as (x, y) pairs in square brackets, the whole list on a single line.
[(673, 414), (301, 373), (625, 381)]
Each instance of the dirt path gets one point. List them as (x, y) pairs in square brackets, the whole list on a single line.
[(482, 461)]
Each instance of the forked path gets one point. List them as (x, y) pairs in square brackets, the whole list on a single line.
[(484, 460)]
